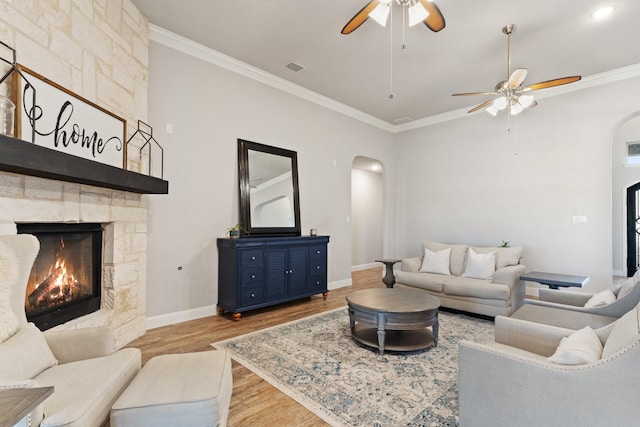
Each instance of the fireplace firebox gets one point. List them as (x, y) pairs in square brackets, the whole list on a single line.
[(65, 281)]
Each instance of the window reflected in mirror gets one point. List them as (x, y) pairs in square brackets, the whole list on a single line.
[(271, 189)]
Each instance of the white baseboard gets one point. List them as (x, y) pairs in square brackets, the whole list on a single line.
[(365, 266), (211, 310), (180, 316), (339, 284)]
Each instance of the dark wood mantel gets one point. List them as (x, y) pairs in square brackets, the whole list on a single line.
[(25, 158)]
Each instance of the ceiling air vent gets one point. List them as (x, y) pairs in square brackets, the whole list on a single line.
[(293, 67), (403, 120)]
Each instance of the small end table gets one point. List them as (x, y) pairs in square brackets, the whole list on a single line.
[(389, 278), (553, 280)]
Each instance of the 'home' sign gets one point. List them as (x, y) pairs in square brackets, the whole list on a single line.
[(66, 122)]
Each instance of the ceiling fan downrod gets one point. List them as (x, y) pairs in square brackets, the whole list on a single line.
[(508, 29)]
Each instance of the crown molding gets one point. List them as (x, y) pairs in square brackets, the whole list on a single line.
[(587, 82), (197, 50)]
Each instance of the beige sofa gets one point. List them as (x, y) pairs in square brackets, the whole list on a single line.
[(82, 366), (500, 293)]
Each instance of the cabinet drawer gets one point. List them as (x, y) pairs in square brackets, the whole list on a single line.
[(251, 277), (317, 267), (317, 253), (251, 258), (251, 295), (318, 282)]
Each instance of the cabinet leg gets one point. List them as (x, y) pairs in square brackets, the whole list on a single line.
[(220, 311), (236, 316), (325, 295)]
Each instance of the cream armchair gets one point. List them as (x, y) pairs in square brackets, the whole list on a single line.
[(627, 297), (510, 382), (82, 366)]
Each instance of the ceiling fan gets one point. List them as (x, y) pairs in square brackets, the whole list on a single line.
[(511, 92), (417, 10)]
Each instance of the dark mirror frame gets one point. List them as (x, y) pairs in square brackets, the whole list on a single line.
[(246, 230)]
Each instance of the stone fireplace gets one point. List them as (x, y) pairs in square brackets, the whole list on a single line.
[(123, 217)]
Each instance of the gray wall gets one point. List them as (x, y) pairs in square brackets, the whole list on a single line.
[(470, 180), (210, 108), (465, 180)]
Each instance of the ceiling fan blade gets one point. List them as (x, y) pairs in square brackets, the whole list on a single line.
[(552, 83), (481, 106), (517, 77), (360, 17), (474, 93), (435, 20)]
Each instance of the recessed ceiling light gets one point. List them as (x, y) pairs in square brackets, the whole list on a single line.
[(603, 12)]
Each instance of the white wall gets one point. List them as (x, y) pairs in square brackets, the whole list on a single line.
[(470, 180), (624, 176), (367, 216), (210, 108)]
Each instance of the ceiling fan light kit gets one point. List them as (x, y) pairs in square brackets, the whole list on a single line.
[(417, 11), (512, 95)]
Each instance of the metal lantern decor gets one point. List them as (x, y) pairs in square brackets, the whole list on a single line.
[(14, 68), (145, 131)]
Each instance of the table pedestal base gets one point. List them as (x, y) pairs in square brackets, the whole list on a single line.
[(407, 340)]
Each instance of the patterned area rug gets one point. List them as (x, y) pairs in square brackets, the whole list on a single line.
[(316, 362)]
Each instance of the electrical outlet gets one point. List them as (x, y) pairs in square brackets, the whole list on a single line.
[(579, 219)]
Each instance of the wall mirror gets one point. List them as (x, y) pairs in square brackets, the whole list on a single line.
[(269, 200)]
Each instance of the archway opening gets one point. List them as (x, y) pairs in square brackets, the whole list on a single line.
[(367, 212)]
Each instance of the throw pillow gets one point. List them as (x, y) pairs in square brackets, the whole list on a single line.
[(626, 289), (436, 262), (605, 297), (9, 267), (580, 347), (625, 331), (480, 266), (25, 355)]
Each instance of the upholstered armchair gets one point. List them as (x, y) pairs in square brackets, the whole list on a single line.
[(82, 365), (511, 382), (627, 296)]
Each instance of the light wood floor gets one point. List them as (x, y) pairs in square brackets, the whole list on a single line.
[(254, 401)]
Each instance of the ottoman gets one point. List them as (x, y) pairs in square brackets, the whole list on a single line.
[(191, 389)]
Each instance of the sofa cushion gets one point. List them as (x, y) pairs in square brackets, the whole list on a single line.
[(25, 355), (86, 390), (626, 289), (582, 346), (428, 281), (602, 298), (624, 332), (504, 256), (480, 266), (478, 288), (458, 255), (436, 262)]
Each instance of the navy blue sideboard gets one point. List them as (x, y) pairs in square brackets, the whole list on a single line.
[(256, 272)]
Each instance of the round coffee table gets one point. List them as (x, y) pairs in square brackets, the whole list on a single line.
[(393, 319)]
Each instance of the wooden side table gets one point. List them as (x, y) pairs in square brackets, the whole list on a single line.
[(17, 403), (389, 278)]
